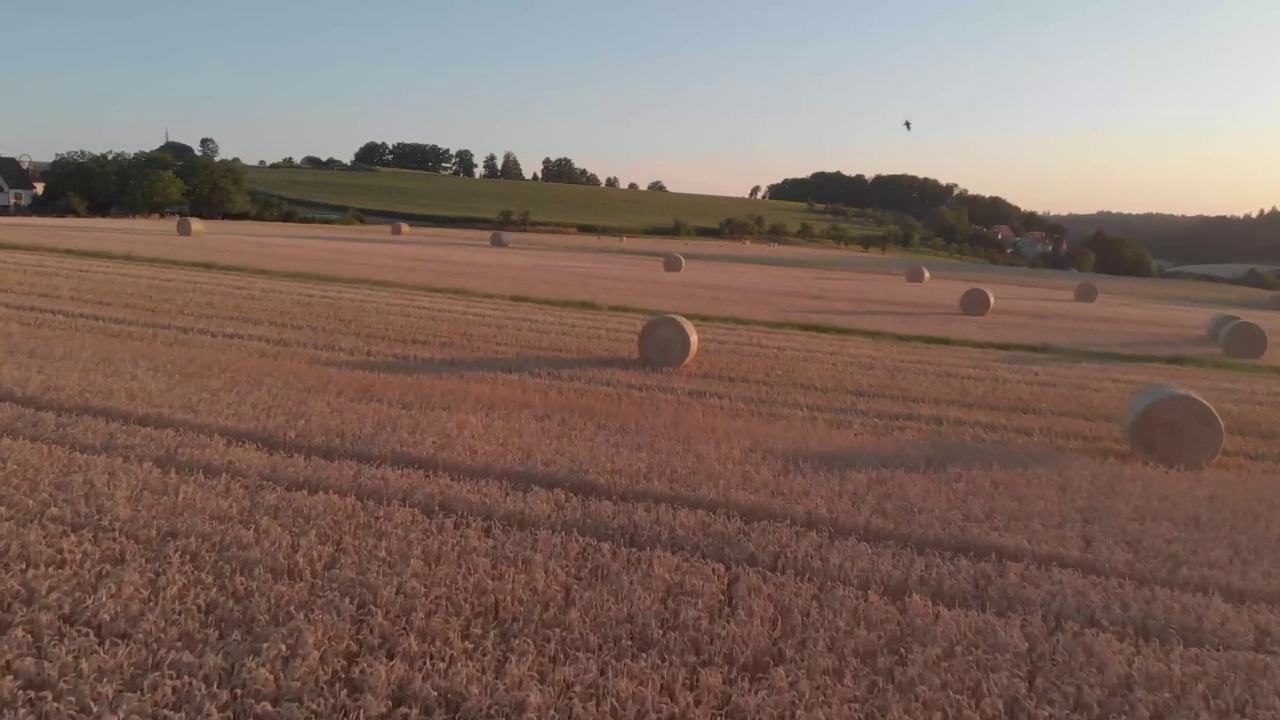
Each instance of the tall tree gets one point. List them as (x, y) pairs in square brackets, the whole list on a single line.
[(209, 148), (219, 189), (633, 186), (657, 186), (491, 170), (511, 169), (464, 164), (153, 190), (438, 159), (612, 182), (755, 192), (373, 154), (1119, 256), (180, 152), (1034, 221)]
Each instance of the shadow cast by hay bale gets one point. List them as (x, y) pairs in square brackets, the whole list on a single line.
[(484, 365), (934, 455), (872, 313)]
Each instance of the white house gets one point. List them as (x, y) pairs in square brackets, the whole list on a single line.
[(1033, 244), (16, 188)]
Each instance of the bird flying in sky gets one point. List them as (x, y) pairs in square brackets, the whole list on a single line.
[(907, 125)]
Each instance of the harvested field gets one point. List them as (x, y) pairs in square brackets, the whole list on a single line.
[(1035, 307), (270, 498)]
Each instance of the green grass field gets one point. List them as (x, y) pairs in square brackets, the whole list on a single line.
[(446, 199)]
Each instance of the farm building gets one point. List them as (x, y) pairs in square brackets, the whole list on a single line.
[(1005, 234), (16, 187), (1032, 244)]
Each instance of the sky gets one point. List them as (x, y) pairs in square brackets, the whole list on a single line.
[(1124, 105)]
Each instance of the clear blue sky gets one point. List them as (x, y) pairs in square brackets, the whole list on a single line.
[(1065, 106)]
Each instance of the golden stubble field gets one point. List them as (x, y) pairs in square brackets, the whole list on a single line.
[(1031, 306), (223, 494)]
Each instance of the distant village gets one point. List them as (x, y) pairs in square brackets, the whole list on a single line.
[(1029, 245)]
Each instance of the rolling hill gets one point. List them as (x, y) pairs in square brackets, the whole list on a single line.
[(453, 200)]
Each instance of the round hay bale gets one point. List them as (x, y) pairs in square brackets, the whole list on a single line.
[(976, 302), (1174, 427), (400, 228), (917, 274), (1244, 340), (499, 239), (1217, 323), (668, 341), (1086, 292), (622, 238), (1273, 302), (190, 227), (673, 262)]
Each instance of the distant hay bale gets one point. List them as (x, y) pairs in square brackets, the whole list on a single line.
[(622, 238), (917, 274), (977, 302), (400, 228), (1273, 302), (673, 262), (1244, 340), (189, 226), (746, 242), (1174, 427), (1217, 323), (1086, 292), (668, 341), (499, 239)]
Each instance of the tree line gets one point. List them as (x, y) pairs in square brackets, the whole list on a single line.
[(910, 195), (172, 178), (1248, 238), (151, 181), (462, 163), (927, 211)]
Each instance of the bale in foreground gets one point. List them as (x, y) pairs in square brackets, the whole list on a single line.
[(499, 239), (1086, 292), (1217, 323), (1174, 427), (1244, 340), (917, 274), (977, 302), (673, 262), (189, 226), (400, 228), (668, 341)]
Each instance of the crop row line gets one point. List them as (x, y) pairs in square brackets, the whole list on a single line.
[(586, 305), (748, 512)]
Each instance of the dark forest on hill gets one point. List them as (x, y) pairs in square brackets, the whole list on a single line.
[(1253, 237)]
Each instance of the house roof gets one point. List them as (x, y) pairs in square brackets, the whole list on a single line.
[(15, 177), (1004, 232)]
